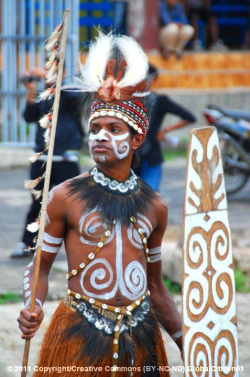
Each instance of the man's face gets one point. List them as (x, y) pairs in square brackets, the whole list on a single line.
[(109, 139)]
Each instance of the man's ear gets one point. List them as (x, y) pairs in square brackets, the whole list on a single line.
[(137, 141)]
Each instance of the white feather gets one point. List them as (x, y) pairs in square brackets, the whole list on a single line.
[(136, 59), (33, 227), (93, 71)]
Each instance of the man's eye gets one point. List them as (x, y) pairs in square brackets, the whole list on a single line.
[(115, 130), (94, 131)]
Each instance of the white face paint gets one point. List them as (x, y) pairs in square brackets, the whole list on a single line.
[(121, 151)]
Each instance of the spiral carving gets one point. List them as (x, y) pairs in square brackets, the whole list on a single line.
[(209, 311), (200, 355), (225, 353)]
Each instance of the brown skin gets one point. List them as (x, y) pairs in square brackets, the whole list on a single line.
[(65, 212)]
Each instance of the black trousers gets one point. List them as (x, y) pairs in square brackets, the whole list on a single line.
[(60, 172)]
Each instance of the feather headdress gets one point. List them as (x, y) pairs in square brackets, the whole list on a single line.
[(115, 72)]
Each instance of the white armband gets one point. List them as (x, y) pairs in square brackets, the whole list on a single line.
[(54, 240), (51, 239), (155, 254), (50, 249)]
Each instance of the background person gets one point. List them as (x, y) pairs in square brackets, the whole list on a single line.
[(175, 29), (201, 10), (68, 142), (150, 168)]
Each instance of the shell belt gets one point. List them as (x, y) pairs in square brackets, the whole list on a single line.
[(75, 301)]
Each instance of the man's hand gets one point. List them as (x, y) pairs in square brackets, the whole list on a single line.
[(29, 322)]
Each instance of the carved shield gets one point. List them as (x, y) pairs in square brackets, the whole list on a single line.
[(209, 311)]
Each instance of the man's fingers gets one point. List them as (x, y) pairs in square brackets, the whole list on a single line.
[(27, 324)]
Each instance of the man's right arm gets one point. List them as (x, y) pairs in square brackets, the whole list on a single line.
[(29, 322)]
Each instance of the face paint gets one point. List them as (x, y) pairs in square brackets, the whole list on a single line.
[(121, 151)]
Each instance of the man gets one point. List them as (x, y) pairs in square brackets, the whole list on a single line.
[(112, 225), (68, 142)]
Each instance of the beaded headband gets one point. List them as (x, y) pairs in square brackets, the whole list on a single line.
[(131, 112)]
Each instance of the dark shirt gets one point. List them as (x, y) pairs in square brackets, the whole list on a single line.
[(68, 131), (172, 14), (151, 149)]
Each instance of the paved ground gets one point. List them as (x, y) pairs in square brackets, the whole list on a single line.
[(14, 201)]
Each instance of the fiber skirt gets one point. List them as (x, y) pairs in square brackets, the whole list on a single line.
[(73, 348)]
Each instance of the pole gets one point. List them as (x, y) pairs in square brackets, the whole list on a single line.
[(46, 185)]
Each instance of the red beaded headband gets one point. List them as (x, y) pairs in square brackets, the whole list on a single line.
[(132, 112)]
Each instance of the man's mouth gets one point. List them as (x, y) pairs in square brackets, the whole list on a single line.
[(99, 148)]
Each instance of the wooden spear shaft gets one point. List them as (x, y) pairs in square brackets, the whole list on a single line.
[(46, 184)]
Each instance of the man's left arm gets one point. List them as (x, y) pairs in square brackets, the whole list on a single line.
[(161, 299)]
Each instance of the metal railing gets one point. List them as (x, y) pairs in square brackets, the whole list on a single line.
[(24, 26)]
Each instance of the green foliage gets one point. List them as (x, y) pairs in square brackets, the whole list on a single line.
[(170, 155), (9, 297), (242, 281), (172, 287)]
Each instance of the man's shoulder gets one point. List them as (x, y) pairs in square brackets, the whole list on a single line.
[(64, 188), (155, 199)]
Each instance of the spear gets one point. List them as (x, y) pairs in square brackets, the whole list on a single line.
[(47, 182)]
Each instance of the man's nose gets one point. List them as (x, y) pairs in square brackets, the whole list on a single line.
[(102, 136)]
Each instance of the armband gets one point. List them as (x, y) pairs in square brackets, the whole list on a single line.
[(54, 240), (155, 254)]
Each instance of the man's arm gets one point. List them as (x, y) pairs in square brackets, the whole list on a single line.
[(29, 322), (161, 298), (32, 112), (175, 108)]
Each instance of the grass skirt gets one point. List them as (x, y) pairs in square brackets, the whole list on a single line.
[(72, 348)]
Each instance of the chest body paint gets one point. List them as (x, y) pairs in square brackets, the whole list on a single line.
[(129, 280)]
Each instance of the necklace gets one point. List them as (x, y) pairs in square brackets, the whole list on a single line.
[(113, 185)]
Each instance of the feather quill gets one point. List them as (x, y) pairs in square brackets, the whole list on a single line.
[(136, 59), (33, 183), (45, 121), (35, 157)]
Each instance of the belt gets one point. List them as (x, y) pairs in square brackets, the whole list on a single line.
[(71, 156)]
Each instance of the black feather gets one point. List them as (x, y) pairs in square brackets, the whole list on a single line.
[(112, 205)]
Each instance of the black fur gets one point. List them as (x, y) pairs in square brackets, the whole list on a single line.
[(112, 206)]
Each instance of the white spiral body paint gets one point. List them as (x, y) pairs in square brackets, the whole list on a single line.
[(133, 235), (131, 281), (120, 151), (89, 227)]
